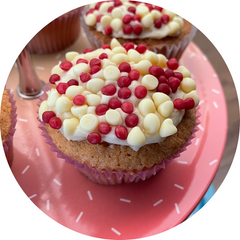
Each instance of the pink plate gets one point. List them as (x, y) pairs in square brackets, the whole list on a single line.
[(128, 210)]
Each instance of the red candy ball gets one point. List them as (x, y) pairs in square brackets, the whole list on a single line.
[(158, 8), (99, 17), (178, 103), (94, 69), (124, 67), (123, 81), (65, 65), (47, 115), (104, 128), (127, 29), (162, 79), (134, 74), (85, 77), (128, 45), (127, 107), (174, 83), (140, 91), (141, 48), (121, 132), (178, 75), (136, 18), (132, 10), (117, 3), (103, 56), (165, 19), (132, 120), (106, 46), (101, 109), (137, 29), (94, 138), (72, 82), (168, 73), (156, 71), (124, 93), (172, 63), (164, 88), (110, 9), (108, 30), (87, 50), (109, 90), (62, 87), (114, 103), (81, 60), (55, 122), (54, 78), (95, 62), (158, 23), (127, 19), (79, 100), (189, 103)]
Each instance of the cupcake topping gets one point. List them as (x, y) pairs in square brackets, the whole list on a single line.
[(118, 94), (132, 19)]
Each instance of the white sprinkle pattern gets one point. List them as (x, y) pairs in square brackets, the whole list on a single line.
[(191, 55), (182, 162), (25, 169), (34, 195), (125, 200), (79, 216), (205, 58), (177, 209), (48, 205), (22, 120), (57, 182), (156, 203), (37, 152), (58, 56), (40, 68), (117, 232), (178, 186), (200, 127), (214, 161), (90, 195), (215, 104), (197, 141), (201, 102), (215, 91)]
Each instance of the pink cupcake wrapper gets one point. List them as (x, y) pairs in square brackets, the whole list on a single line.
[(173, 51), (8, 143), (104, 177)]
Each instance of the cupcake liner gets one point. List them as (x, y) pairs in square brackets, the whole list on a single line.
[(58, 34), (8, 143), (104, 177), (169, 51)]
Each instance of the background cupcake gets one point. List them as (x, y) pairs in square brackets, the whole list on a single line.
[(131, 21), (59, 34), (119, 115), (8, 119)]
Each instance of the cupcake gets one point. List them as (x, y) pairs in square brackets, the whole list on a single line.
[(161, 30), (119, 114), (8, 120), (59, 34)]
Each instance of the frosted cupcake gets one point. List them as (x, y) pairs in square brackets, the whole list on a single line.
[(161, 30), (119, 114), (8, 120), (59, 34)]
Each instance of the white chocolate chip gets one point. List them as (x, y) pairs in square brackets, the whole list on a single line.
[(194, 95), (71, 55), (155, 14), (43, 107), (89, 122), (136, 137), (105, 21), (116, 24), (151, 57), (106, 62), (52, 98), (91, 19), (179, 20), (119, 58), (56, 70), (167, 128), (73, 91), (69, 126), (174, 27), (162, 60), (147, 20), (184, 71), (134, 56), (104, 7), (151, 123), (113, 117), (188, 85), (119, 50), (159, 98), (146, 106), (115, 43), (169, 13), (63, 104), (150, 82), (142, 10), (117, 13), (81, 67), (79, 111), (166, 108), (93, 99), (111, 73), (67, 115), (95, 85), (143, 66)]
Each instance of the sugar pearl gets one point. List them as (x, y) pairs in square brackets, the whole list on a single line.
[(89, 122)]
